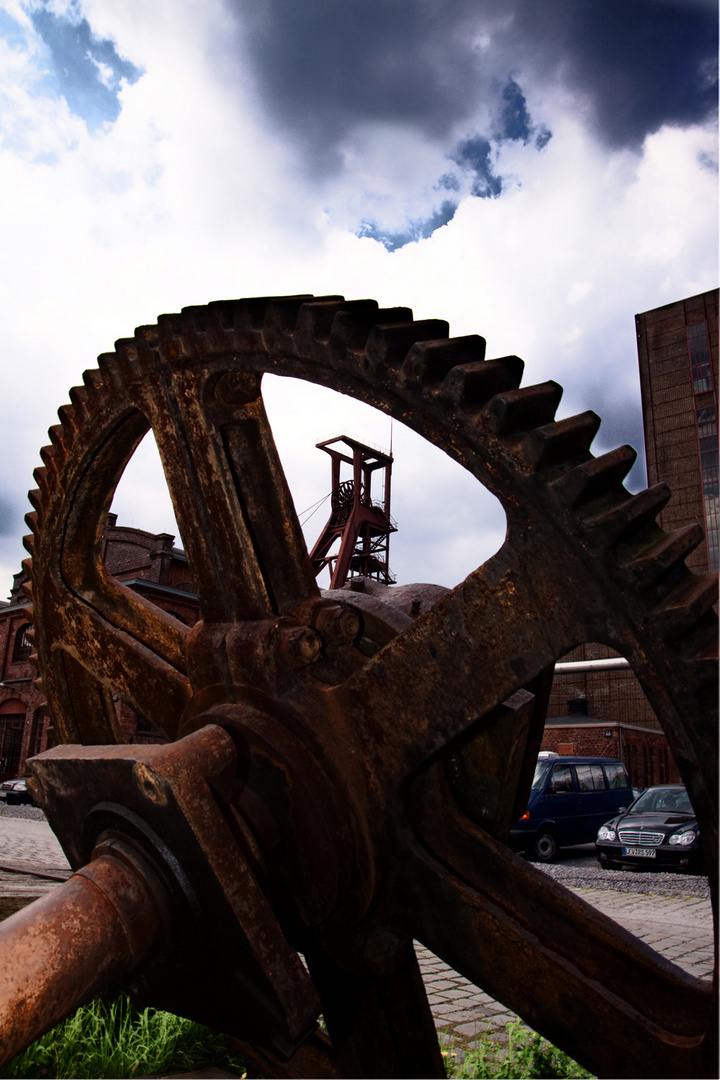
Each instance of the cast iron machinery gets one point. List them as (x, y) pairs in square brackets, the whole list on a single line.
[(341, 770)]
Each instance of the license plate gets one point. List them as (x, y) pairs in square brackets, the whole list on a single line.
[(640, 852)]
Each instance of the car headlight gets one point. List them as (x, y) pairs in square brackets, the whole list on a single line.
[(606, 833), (684, 838)]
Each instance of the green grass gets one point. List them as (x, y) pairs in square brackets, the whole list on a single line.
[(110, 1038), (526, 1055)]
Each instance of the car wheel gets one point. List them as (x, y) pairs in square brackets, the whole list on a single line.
[(545, 847)]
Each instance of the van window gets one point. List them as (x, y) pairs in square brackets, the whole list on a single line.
[(541, 770), (561, 779), (617, 778), (590, 777)]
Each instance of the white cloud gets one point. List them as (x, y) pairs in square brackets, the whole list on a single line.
[(189, 198)]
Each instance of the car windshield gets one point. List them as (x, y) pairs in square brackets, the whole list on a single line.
[(663, 800), (541, 771)]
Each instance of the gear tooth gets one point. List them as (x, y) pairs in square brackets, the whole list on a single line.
[(197, 331), (41, 478), (29, 543), (632, 519), (518, 411), (687, 604), (597, 478), (35, 500), (93, 379), (471, 386), (69, 422), (388, 346), (126, 355), (281, 314), (58, 432), (351, 329), (147, 339), (249, 313), (562, 444), (27, 563), (670, 550), (430, 361), (48, 456), (224, 312), (38, 684), (172, 336), (108, 365), (78, 398), (315, 319), (32, 520)]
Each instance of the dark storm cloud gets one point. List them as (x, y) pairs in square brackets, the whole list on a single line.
[(323, 68), (475, 155), (11, 514), (87, 71)]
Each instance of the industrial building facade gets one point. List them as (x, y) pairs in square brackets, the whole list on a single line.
[(605, 713), (678, 357), (146, 562)]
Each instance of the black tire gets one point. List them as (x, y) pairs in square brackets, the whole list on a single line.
[(544, 848)]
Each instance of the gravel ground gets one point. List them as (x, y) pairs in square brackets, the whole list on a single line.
[(30, 813), (628, 881)]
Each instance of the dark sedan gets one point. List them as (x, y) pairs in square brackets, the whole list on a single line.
[(658, 832), (15, 791)]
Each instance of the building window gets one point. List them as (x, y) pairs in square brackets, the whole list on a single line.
[(11, 733), (23, 645), (36, 734), (699, 349)]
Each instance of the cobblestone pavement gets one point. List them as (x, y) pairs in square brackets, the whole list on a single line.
[(678, 927)]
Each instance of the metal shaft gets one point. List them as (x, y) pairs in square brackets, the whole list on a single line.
[(60, 951)]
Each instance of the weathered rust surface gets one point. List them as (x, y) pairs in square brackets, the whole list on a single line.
[(63, 949), (345, 771)]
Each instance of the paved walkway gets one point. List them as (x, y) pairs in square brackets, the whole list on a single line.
[(680, 929)]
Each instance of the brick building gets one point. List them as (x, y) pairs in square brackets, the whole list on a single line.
[(146, 562), (678, 358)]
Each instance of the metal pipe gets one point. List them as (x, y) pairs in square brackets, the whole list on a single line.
[(576, 667), (63, 949)]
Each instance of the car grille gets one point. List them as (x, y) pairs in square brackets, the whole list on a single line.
[(641, 839)]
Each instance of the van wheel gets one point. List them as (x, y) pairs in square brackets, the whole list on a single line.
[(545, 847)]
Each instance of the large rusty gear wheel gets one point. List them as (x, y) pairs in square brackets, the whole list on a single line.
[(358, 837)]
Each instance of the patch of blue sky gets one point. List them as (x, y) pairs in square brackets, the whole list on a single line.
[(11, 30), (85, 70), (420, 229)]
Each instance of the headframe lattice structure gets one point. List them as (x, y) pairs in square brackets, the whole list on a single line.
[(361, 524), (305, 803)]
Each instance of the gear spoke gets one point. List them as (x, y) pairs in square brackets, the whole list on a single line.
[(231, 498), (479, 644), (121, 662)]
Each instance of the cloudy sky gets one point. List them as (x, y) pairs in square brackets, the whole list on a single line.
[(536, 171)]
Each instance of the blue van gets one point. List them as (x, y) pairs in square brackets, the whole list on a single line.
[(570, 798)]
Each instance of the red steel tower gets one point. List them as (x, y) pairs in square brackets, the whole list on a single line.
[(362, 526)]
